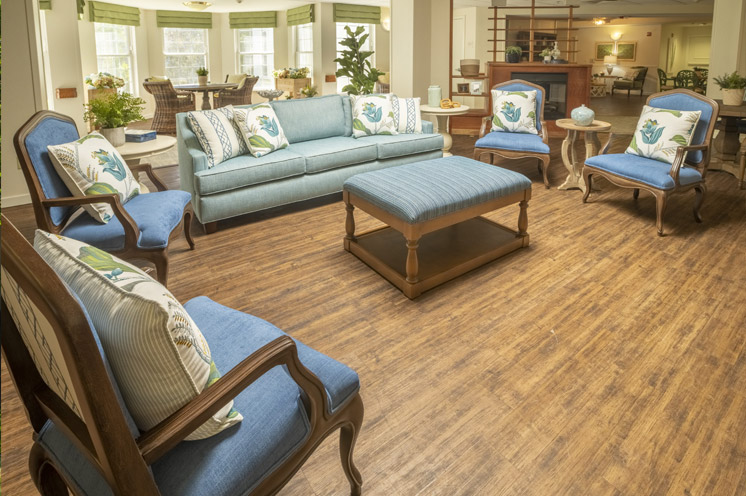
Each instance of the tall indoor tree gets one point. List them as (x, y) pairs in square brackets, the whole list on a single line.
[(354, 64)]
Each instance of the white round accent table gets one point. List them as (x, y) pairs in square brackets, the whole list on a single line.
[(132, 152), (443, 116)]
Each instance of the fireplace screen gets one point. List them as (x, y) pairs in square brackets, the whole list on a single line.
[(555, 87)]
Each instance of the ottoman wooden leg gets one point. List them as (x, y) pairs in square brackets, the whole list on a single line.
[(349, 222), (413, 265)]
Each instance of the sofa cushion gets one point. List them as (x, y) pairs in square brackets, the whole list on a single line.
[(246, 170), (330, 153), (307, 119), (405, 144), (521, 142), (647, 170)]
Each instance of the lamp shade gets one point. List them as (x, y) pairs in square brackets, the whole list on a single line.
[(610, 59)]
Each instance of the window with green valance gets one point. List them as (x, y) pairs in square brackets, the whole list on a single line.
[(176, 19), (245, 20), (301, 15), (113, 14), (361, 14), (45, 4), (81, 8)]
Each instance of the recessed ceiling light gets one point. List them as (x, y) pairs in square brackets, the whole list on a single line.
[(197, 5), (598, 21)]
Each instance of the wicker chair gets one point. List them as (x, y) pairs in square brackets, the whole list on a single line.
[(700, 80), (239, 96), (168, 103), (685, 79), (663, 79)]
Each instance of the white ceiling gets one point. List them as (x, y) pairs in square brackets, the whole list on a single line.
[(236, 5)]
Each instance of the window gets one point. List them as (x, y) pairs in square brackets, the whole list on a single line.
[(185, 51), (341, 35), (114, 52), (304, 46), (256, 55)]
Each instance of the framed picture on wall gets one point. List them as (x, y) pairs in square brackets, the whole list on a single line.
[(463, 87), (625, 50)]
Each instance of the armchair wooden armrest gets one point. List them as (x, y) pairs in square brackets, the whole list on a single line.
[(282, 351), (678, 159), (148, 170), (483, 129), (543, 133), (131, 231)]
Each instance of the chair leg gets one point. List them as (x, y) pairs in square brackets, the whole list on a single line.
[(545, 161), (45, 476), (587, 179), (161, 267), (347, 437), (699, 198), (188, 216), (541, 169), (636, 193), (660, 210)]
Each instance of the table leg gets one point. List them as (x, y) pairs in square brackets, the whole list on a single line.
[(443, 130), (725, 146), (206, 100), (413, 265), (574, 178)]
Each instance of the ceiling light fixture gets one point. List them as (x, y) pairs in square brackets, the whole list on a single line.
[(616, 36), (598, 21), (197, 5)]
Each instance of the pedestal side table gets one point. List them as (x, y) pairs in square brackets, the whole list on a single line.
[(592, 145), (443, 115)]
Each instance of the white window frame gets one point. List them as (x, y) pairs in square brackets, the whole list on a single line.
[(193, 78), (267, 81), (131, 55), (297, 52), (343, 81)]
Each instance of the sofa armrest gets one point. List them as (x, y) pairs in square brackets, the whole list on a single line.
[(191, 156), (427, 127)]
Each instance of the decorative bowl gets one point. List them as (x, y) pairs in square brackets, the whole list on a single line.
[(270, 94)]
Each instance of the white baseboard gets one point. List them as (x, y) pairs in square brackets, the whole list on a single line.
[(16, 200)]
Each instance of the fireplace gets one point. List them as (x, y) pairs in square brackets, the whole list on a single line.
[(555, 88)]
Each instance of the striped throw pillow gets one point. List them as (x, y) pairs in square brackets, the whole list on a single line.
[(217, 134), (159, 357), (407, 115)]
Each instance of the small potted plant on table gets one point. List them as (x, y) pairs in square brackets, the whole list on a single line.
[(111, 113), (733, 87), (513, 54), (202, 73)]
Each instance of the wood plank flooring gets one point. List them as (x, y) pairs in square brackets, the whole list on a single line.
[(601, 360)]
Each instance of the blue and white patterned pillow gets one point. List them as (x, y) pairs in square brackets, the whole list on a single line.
[(514, 111), (158, 355), (407, 115), (217, 134), (372, 114), (260, 129), (661, 131)]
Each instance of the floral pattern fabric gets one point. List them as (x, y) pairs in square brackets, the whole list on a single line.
[(217, 134), (514, 111), (92, 166), (372, 114), (260, 129), (660, 132), (158, 355)]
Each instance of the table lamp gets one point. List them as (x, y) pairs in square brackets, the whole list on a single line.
[(610, 61)]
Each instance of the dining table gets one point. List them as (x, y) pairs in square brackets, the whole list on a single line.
[(206, 89), (726, 145)]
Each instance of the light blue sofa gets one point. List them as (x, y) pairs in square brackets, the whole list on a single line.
[(321, 156)]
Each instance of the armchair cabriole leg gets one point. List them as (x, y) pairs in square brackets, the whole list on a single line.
[(188, 216), (588, 183), (660, 210), (636, 193), (699, 198), (545, 169), (161, 268), (347, 438)]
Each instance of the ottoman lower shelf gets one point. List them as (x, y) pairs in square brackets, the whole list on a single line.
[(442, 255)]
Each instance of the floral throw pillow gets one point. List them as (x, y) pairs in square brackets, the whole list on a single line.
[(407, 115), (260, 129), (217, 134), (660, 132), (514, 111), (158, 355), (92, 166), (372, 114)]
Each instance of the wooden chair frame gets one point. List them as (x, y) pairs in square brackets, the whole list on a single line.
[(494, 153), (663, 81), (101, 431), (237, 96), (42, 204), (629, 85), (661, 196)]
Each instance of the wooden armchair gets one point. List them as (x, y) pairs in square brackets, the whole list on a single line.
[(140, 229), (516, 145), (689, 167), (684, 79), (663, 80), (238, 96), (85, 440), (635, 83), (168, 103)]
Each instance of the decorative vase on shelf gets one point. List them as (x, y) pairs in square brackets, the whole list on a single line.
[(114, 135), (434, 95), (547, 59), (582, 116)]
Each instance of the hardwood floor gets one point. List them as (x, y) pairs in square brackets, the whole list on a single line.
[(601, 360)]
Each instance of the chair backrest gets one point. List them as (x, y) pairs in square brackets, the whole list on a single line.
[(642, 73), (45, 128), (163, 91), (685, 78), (521, 85), (52, 354), (235, 78), (683, 99), (662, 76)]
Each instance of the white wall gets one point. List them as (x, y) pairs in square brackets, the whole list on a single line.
[(728, 51)]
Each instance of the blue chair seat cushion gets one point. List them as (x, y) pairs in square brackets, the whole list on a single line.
[(156, 214), (519, 142), (331, 153), (648, 171), (236, 460), (425, 190)]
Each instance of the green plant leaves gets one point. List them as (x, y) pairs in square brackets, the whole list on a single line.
[(674, 112), (633, 144), (100, 189), (679, 140), (354, 65), (257, 141), (100, 260)]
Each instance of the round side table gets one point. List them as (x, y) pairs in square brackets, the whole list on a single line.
[(443, 115), (592, 145), (132, 152)]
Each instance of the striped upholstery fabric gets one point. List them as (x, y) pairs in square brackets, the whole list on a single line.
[(159, 357), (426, 190), (218, 134), (407, 115)]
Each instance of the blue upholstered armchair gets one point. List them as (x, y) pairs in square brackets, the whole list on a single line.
[(140, 229), (689, 167), (514, 145), (85, 438)]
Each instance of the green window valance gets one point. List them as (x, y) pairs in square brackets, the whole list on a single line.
[(245, 20), (81, 8), (177, 19), (301, 15), (113, 14), (45, 4), (362, 14)]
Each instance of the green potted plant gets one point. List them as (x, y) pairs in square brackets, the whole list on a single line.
[(309, 91), (733, 87), (292, 80), (513, 54), (547, 54), (354, 64), (111, 113), (202, 73)]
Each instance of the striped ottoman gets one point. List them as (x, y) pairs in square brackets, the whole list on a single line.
[(436, 205)]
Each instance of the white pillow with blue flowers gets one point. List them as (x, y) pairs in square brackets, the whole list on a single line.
[(217, 134), (660, 132), (514, 111), (372, 114), (260, 129)]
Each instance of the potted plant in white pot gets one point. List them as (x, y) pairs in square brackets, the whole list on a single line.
[(547, 54), (111, 113), (202, 76), (733, 87)]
